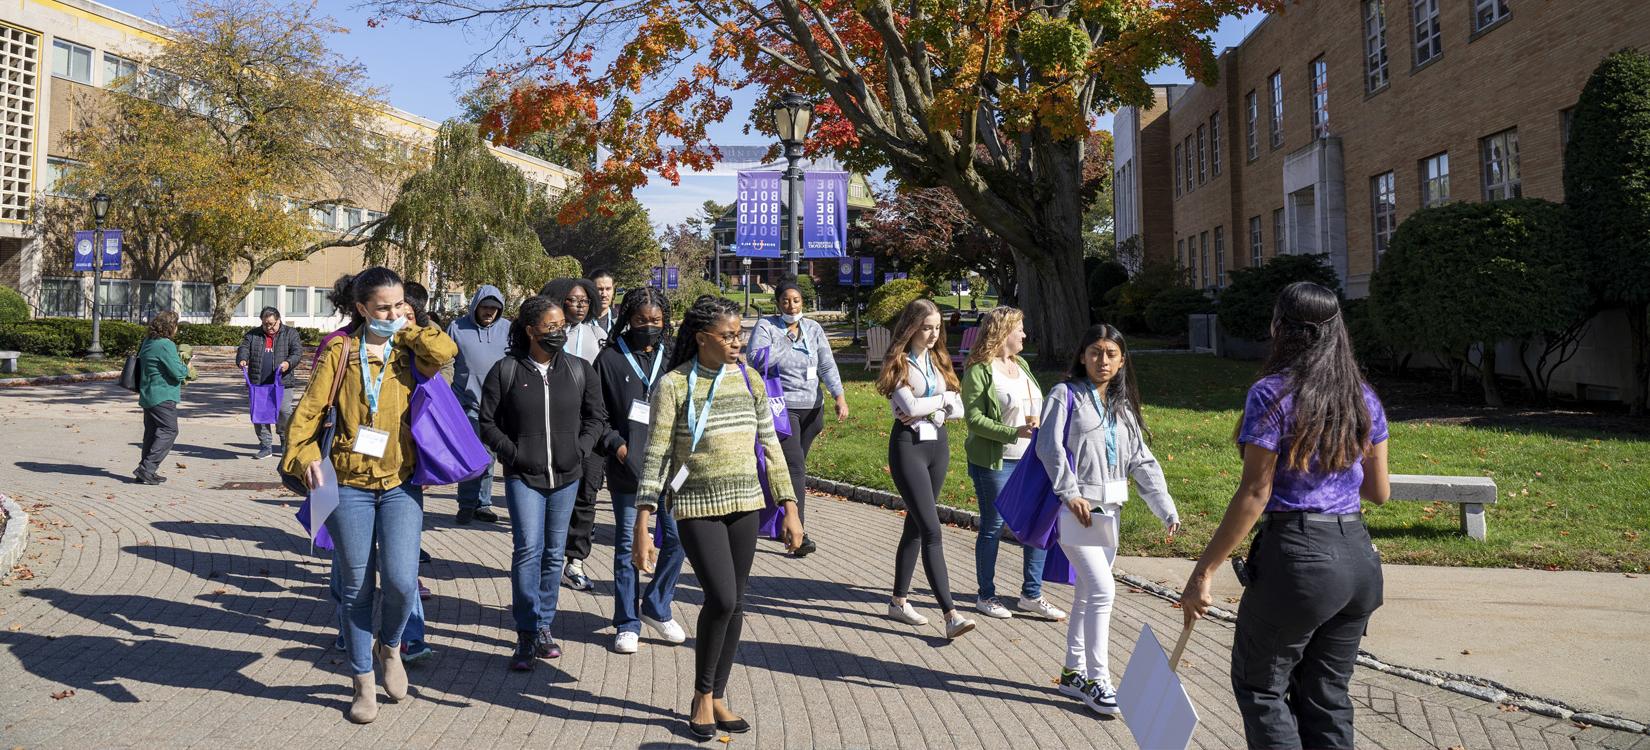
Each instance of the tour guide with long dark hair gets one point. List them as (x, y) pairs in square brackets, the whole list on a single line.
[(373, 455), (701, 465), (1313, 438)]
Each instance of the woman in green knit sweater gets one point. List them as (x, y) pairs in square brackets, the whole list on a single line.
[(708, 418)]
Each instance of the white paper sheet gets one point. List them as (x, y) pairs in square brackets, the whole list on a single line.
[(1155, 706)]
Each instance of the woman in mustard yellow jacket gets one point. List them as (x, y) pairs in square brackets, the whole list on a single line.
[(373, 455)]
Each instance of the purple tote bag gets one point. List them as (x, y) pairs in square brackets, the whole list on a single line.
[(1031, 510), (448, 450), (265, 399), (775, 391), (772, 514)]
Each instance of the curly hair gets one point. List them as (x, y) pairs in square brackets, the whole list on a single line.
[(531, 314), (706, 311), (348, 290), (995, 326), (636, 299), (559, 289), (893, 375), (164, 325)]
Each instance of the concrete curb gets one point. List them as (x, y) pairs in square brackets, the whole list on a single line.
[(16, 536), (84, 377), (1477, 687)]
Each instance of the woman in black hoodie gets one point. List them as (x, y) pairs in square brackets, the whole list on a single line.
[(541, 412)]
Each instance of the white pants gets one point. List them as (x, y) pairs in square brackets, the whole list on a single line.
[(1091, 550)]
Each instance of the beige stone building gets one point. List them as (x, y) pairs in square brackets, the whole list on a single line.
[(1333, 120), (54, 54)]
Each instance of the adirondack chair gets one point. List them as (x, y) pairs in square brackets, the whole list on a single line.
[(970, 337), (877, 341)]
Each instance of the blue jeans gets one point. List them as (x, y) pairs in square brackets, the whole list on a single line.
[(538, 528), (415, 622), (478, 492), (376, 532), (655, 600), (987, 484)]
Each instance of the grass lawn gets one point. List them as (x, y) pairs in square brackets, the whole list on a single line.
[(38, 365), (1570, 499)]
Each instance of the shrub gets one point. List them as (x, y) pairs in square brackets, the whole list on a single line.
[(691, 289), (1103, 276), (1370, 342), (1125, 305), (13, 308), (67, 337), (888, 300), (1166, 313), (1245, 307), (810, 297), (210, 334), (34, 338)]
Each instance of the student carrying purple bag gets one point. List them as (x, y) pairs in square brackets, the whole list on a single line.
[(448, 450)]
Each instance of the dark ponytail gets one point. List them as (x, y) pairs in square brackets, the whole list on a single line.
[(1330, 422), (704, 313), (348, 290)]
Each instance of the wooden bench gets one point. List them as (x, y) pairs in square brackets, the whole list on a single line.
[(8, 361), (1470, 493), (877, 341)]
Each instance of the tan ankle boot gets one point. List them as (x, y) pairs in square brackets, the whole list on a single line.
[(364, 708), (395, 674)]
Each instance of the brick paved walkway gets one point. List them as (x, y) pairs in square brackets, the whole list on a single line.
[(194, 614)]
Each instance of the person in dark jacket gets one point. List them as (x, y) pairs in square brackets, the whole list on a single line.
[(160, 376), (481, 336), (585, 340), (267, 353), (541, 413), (629, 365)]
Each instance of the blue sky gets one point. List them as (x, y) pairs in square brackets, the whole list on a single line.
[(414, 64)]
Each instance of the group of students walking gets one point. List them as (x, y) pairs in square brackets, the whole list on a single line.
[(678, 422)]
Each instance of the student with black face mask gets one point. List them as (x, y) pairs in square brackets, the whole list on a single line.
[(541, 412)]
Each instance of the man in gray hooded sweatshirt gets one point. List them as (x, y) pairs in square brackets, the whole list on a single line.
[(482, 335)]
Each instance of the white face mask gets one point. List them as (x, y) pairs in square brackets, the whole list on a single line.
[(790, 320)]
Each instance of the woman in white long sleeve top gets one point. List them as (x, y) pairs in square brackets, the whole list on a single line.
[(924, 393), (1091, 442)]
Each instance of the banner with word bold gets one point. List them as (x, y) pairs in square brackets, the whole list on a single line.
[(825, 213), (756, 233)]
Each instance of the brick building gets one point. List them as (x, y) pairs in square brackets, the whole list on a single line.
[(1333, 120)]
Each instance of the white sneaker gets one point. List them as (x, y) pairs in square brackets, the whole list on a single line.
[(625, 642), (958, 626), (993, 607), (667, 630), (1101, 698), (905, 613), (1041, 608)]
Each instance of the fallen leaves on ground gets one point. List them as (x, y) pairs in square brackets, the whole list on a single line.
[(1466, 652), (22, 573), (61, 694)]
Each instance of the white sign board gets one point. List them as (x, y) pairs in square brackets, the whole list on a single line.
[(1155, 706)]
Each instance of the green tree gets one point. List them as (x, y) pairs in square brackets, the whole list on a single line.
[(1245, 305), (1462, 278), (245, 124), (1607, 188), (469, 216), (615, 235)]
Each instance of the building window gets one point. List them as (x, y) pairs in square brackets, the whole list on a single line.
[(324, 217), (1279, 240), (1251, 117), (1383, 210), (1203, 257), (352, 218), (1429, 43), (1177, 157), (1202, 155), (19, 65), (1180, 253), (1320, 97), (197, 300), (1255, 242), (262, 297), (71, 61), (116, 67), (1214, 144), (297, 302), (56, 170), (1220, 257), (1435, 180), (153, 297), (1191, 259), (1189, 183), (1276, 86), (1487, 13), (1374, 44), (1500, 156), (61, 298), (115, 297), (319, 305)]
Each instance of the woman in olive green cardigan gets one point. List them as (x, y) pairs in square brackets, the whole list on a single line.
[(1002, 401)]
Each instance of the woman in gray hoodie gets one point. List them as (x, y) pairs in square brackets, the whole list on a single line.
[(482, 335)]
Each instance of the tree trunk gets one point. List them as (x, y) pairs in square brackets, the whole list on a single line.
[(1457, 374), (1538, 387), (1638, 322), (223, 307), (1486, 375), (1054, 299)]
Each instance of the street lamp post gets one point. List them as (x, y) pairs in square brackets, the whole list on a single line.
[(855, 243), (100, 211), (791, 117), (746, 280)]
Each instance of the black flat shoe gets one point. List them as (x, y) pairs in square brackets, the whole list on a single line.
[(737, 726), (806, 548), (702, 732), (485, 515)]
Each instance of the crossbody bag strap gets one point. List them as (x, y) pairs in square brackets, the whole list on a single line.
[(338, 375)]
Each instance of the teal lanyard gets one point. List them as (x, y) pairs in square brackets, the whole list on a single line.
[(1109, 423), (369, 388), (928, 376), (696, 426), (647, 380)]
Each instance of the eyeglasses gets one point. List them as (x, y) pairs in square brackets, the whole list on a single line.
[(578, 302), (728, 339), (555, 328)]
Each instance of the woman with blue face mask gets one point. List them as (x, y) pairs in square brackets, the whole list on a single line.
[(797, 349), (380, 512)]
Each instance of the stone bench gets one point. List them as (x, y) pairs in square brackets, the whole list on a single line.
[(1471, 493), (8, 361)]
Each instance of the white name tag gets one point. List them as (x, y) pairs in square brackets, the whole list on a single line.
[(680, 479), (926, 431), (371, 442), (1116, 492), (641, 411), (813, 373)]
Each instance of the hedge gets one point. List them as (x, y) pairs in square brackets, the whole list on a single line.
[(1245, 306), (891, 298), (13, 308), (1167, 312), (68, 337)]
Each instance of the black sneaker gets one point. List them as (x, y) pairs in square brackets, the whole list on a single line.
[(143, 477), (1072, 683), (806, 548), (486, 514), (263, 453), (522, 659), (544, 646), (423, 556), (464, 517)]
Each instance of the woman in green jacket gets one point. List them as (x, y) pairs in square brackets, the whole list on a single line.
[(1001, 400), (161, 373)]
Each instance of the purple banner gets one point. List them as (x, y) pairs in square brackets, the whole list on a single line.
[(83, 251), (111, 249), (658, 280), (867, 270), (672, 278), (825, 201), (756, 233), (845, 271)]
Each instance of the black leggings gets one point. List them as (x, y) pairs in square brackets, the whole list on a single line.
[(805, 426), (721, 549), (583, 523), (919, 472)]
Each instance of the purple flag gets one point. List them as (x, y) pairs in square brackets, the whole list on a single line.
[(756, 234), (825, 215), (867, 270), (111, 249), (83, 251)]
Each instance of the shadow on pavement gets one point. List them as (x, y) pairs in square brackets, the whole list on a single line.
[(79, 470)]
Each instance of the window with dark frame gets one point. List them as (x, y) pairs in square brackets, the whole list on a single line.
[(1276, 86), (1383, 191), (1255, 242), (1487, 13), (1499, 154), (1319, 70), (1429, 42), (1435, 180), (1202, 154), (1375, 59), (1251, 124), (1214, 144)]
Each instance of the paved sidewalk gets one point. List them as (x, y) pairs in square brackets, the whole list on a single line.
[(194, 614)]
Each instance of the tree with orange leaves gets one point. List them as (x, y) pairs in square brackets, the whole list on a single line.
[(992, 99)]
